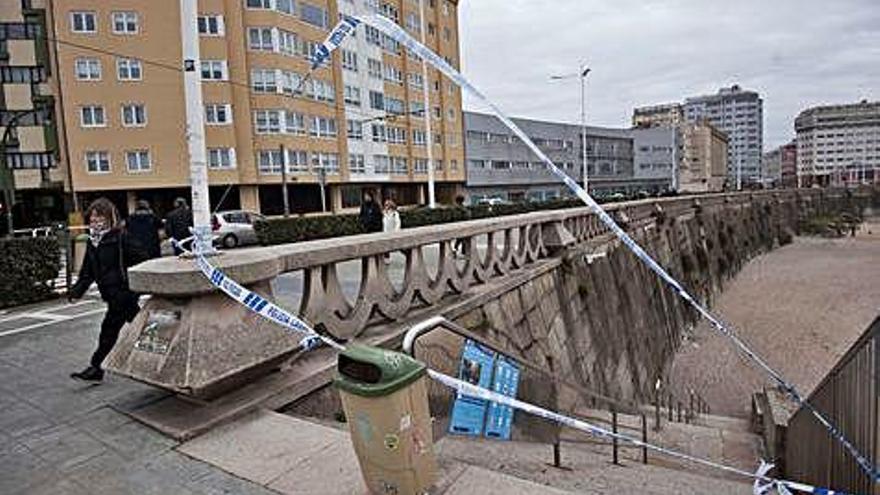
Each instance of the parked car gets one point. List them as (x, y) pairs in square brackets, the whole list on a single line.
[(234, 228), (491, 201)]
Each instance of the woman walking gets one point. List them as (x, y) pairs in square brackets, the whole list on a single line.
[(109, 253), (390, 221)]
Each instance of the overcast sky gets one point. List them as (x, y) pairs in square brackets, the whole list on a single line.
[(795, 53)]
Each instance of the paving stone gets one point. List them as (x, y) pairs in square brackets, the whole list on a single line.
[(21, 419), (332, 470), (21, 468), (63, 447)]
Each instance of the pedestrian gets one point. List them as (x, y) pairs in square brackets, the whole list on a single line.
[(109, 253), (390, 221), (461, 245), (178, 223), (143, 226), (370, 216)]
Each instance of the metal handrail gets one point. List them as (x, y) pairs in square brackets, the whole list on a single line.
[(420, 329)]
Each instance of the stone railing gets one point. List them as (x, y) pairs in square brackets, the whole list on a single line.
[(204, 322)]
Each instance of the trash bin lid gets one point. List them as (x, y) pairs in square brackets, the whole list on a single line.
[(375, 372)]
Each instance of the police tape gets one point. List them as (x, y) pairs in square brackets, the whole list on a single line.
[(391, 29), (471, 390)]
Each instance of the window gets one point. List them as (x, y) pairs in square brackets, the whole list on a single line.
[(263, 81), (416, 80), (450, 114), (211, 25), (399, 165), (393, 74), (267, 121), (390, 45), (269, 161), (394, 106), (128, 69), (374, 68), (125, 22), (352, 96), (138, 161), (349, 60), (287, 42), (379, 133), (297, 161), (396, 135), (88, 69), (420, 166), (323, 127), (221, 158), (381, 164), (327, 161), (323, 91), (374, 37), (377, 100), (284, 6), (294, 123), (259, 4), (82, 22), (291, 81), (314, 15), (92, 116), (218, 114), (213, 70), (416, 108), (419, 137), (413, 23), (134, 115), (355, 129), (260, 38), (97, 162), (356, 164)]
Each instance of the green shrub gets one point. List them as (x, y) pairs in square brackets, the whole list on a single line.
[(297, 229), (28, 265)]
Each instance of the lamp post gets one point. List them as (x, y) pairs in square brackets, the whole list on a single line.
[(583, 77)]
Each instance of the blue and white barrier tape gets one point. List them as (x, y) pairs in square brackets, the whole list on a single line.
[(390, 28)]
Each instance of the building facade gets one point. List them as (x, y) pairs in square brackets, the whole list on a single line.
[(703, 167), (788, 164), (666, 115), (739, 113), (32, 175), (838, 144), (357, 124), (499, 165)]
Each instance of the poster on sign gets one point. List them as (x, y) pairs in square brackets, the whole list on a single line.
[(499, 418)]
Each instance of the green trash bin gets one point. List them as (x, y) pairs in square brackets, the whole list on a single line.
[(385, 398)]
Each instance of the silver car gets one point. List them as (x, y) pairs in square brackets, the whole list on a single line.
[(235, 228)]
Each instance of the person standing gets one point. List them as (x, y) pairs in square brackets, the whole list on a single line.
[(143, 226), (109, 254), (390, 221), (178, 223), (370, 216)]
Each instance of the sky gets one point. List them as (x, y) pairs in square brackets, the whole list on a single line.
[(795, 53)]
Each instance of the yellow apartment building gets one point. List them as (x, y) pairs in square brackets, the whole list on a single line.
[(357, 125)]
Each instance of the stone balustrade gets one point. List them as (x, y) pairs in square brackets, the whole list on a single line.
[(214, 340)]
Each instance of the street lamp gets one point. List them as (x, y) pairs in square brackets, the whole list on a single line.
[(583, 77)]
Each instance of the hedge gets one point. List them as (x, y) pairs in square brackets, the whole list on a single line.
[(297, 229), (28, 265)]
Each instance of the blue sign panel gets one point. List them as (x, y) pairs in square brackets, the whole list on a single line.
[(500, 417), (469, 413)]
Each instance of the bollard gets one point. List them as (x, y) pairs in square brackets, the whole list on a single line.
[(384, 395), (557, 455), (679, 411), (644, 439), (669, 406), (657, 413), (614, 440), (690, 406)]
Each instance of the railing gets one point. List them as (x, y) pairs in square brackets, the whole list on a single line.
[(567, 397), (849, 397)]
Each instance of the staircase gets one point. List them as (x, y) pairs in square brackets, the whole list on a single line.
[(294, 455)]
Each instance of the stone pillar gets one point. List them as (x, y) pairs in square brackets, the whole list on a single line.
[(193, 340), (249, 197), (335, 192)]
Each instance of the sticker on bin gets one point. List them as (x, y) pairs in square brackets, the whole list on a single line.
[(499, 420), (469, 413)]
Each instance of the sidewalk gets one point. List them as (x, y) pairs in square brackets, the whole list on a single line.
[(59, 436)]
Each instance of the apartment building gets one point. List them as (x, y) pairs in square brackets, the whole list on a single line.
[(838, 144), (665, 115), (356, 124), (739, 113), (32, 175), (703, 167), (499, 165)]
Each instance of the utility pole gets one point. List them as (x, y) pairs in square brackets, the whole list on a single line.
[(322, 179), (426, 103), (195, 128), (284, 181)]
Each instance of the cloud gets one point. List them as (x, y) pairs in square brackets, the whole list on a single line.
[(795, 53)]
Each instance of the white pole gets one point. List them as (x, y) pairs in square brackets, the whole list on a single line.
[(195, 127), (426, 104), (584, 129)]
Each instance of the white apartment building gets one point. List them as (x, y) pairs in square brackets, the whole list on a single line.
[(838, 145), (739, 113)]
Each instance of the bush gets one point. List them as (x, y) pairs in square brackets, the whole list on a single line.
[(28, 265), (297, 229)]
